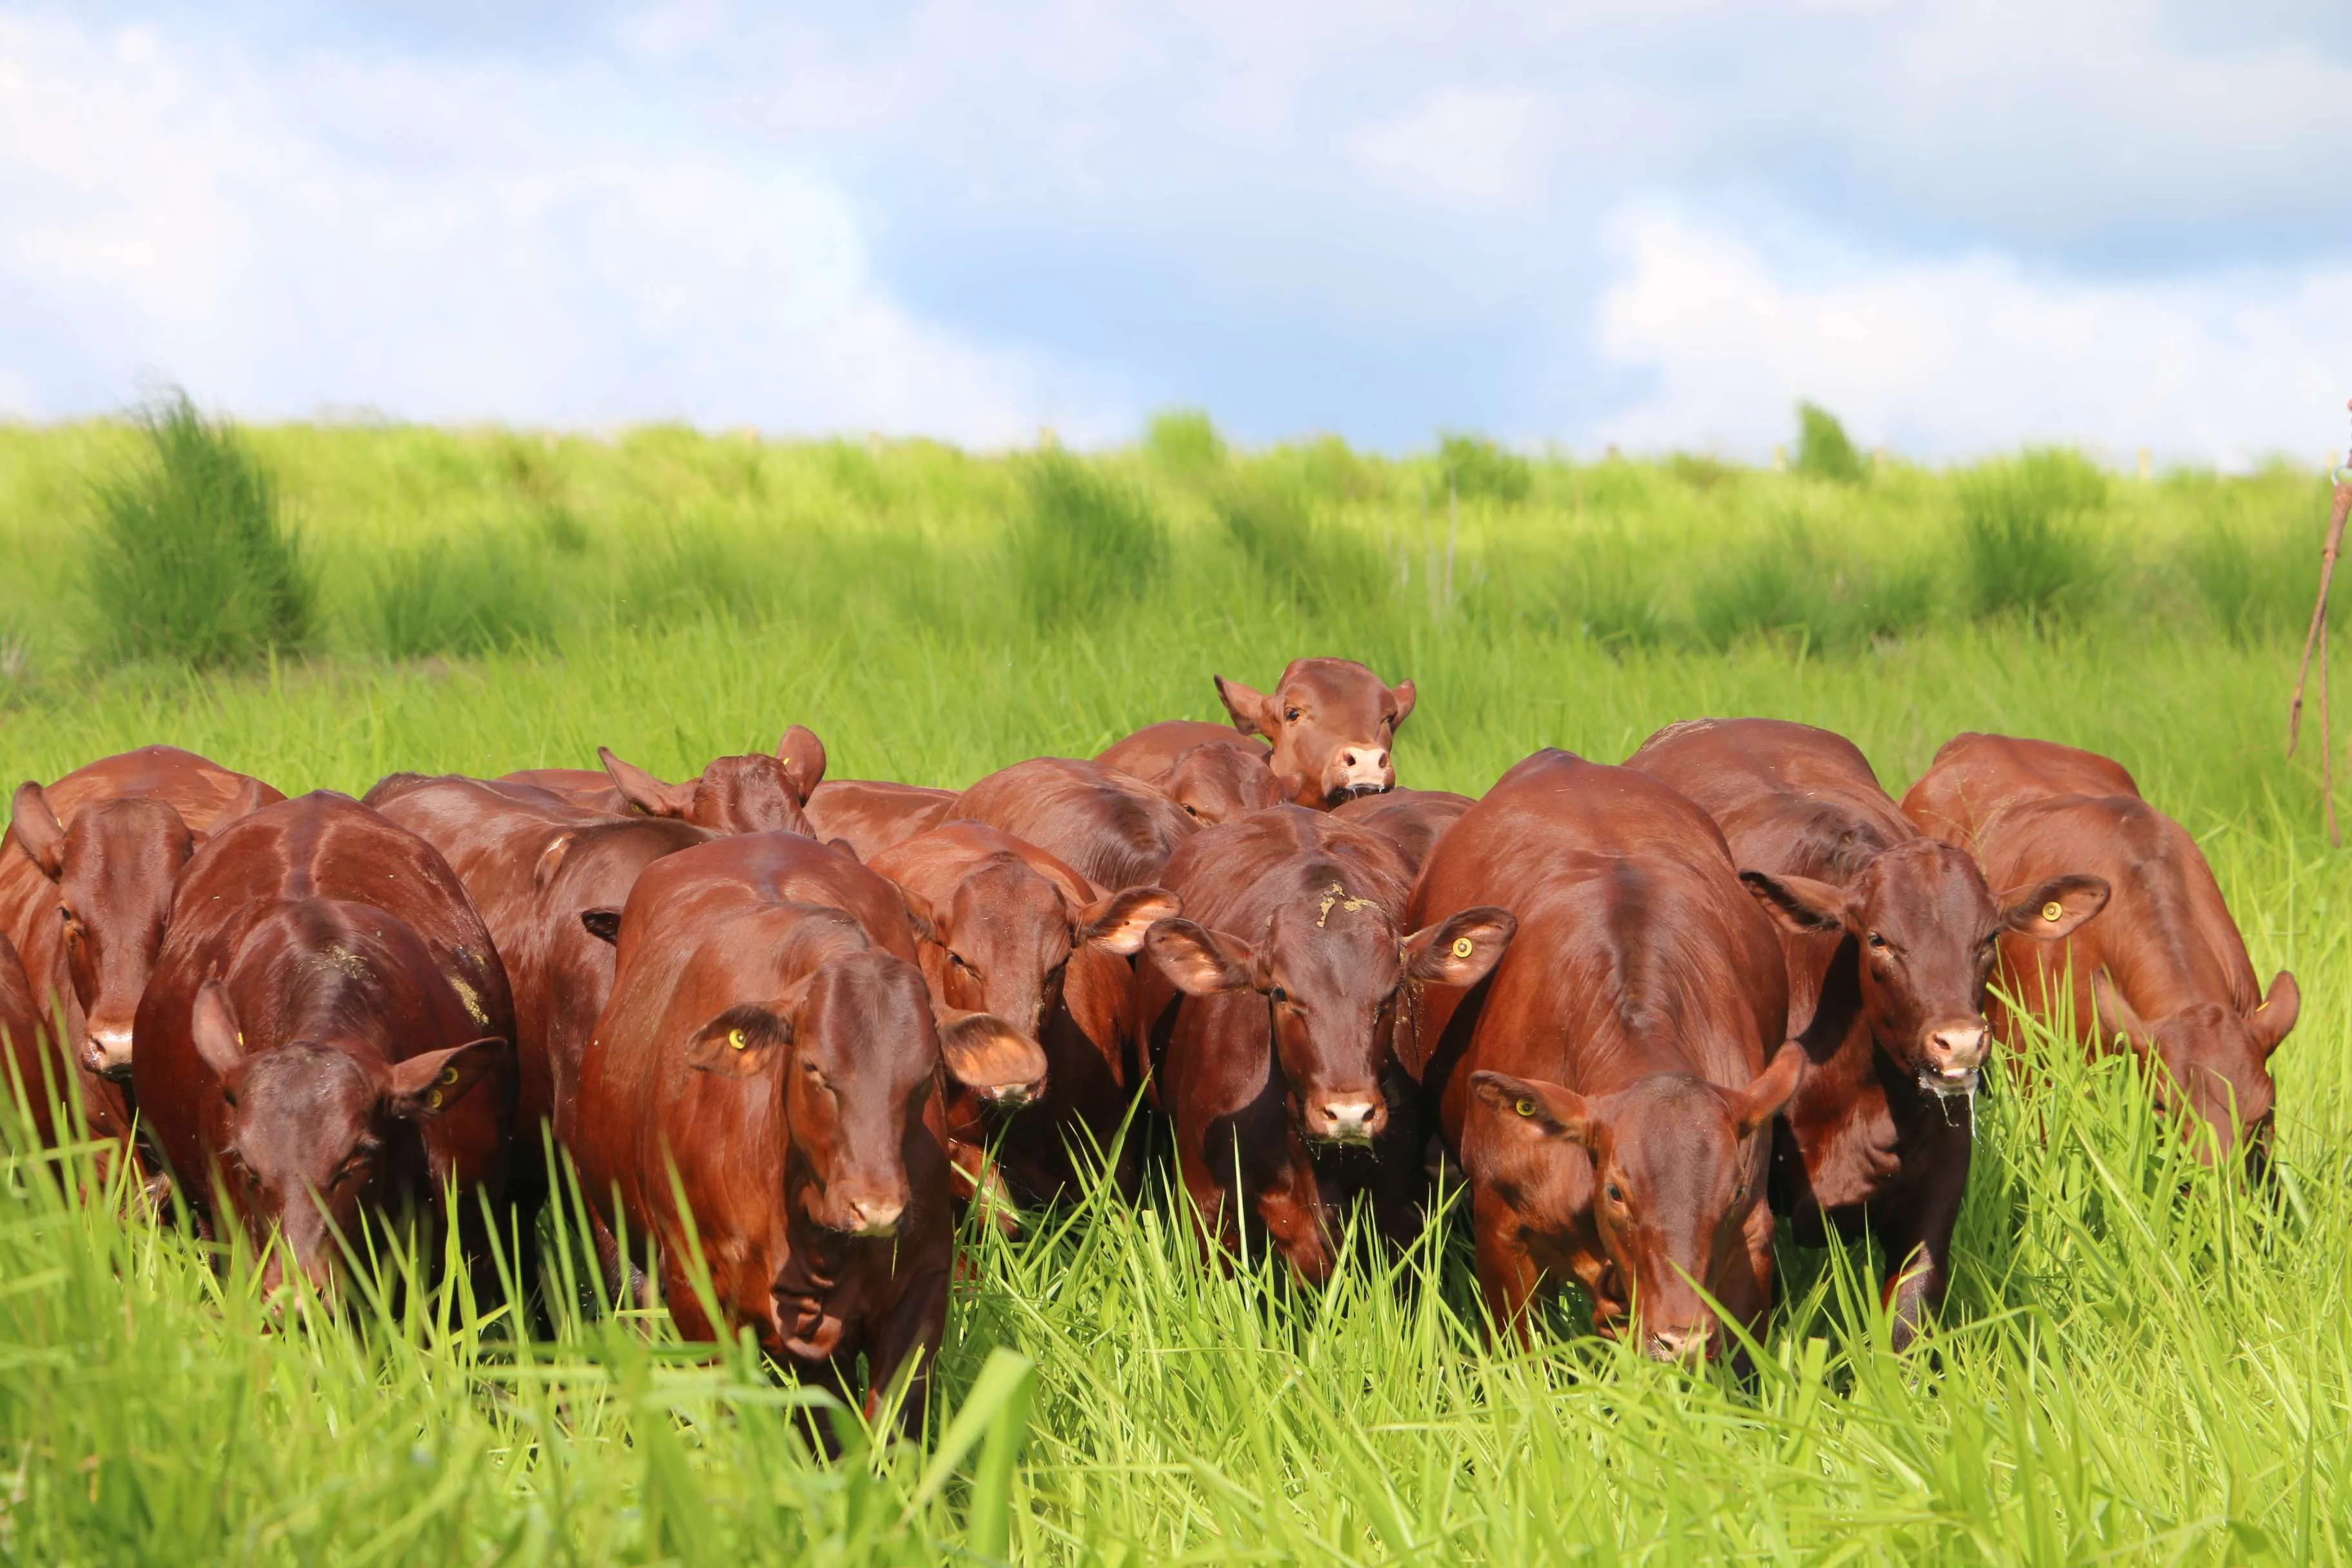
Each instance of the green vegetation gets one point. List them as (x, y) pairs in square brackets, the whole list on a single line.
[(1823, 449), (2141, 1360)]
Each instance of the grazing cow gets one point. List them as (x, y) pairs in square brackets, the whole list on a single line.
[(86, 879), (1415, 819), (1889, 938), (871, 815), (753, 793), (1270, 1009), (1606, 1089), (1211, 771), (1016, 933), (1333, 724), (770, 1055), (327, 1032), (1113, 830), (2165, 966)]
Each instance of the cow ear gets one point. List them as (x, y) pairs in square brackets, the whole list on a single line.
[(1197, 962), (803, 755), (1253, 711), (426, 1086), (245, 803), (602, 923), (1118, 923), (1798, 904), (2055, 908), (1460, 950), (920, 915), (644, 790), (1770, 1090), (39, 830), (1535, 1109), (213, 1026), (2276, 1015), (2116, 1015), (1403, 695), (844, 846), (740, 1042), (990, 1057), (550, 861)]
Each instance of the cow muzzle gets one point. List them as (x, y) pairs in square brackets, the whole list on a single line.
[(1689, 1344), (106, 1050), (1355, 1119), (873, 1216), (1358, 770), (1952, 1055)]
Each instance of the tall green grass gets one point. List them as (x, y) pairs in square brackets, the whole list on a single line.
[(2141, 1360)]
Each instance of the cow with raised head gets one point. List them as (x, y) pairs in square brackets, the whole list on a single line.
[(1333, 726), (2163, 969), (1016, 933), (87, 873), (327, 1033), (764, 1091), (1270, 1011), (757, 793), (1889, 938), (1610, 1090)]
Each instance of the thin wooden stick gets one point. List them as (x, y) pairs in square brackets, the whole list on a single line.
[(2326, 749), (2315, 641)]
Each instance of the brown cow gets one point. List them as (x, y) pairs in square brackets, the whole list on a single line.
[(770, 1053), (871, 815), (315, 1041), (1605, 1090), (1113, 830), (86, 879), (1415, 819), (2165, 966), (1889, 939), (1017, 933), (1333, 724), (753, 793), (1211, 771), (1271, 1009), (29, 1068)]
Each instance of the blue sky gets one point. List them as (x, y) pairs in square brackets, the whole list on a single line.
[(1655, 223)]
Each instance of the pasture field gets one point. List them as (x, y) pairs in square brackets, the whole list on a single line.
[(2141, 1360)]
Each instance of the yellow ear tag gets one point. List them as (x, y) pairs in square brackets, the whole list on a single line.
[(1526, 1108), (1463, 947), (735, 1039), (2054, 911), (449, 1076), (432, 1101)]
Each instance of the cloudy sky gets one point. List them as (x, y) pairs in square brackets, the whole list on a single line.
[(1655, 223)]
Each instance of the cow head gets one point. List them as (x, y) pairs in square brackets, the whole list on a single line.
[(1007, 936), (309, 1125), (753, 793), (857, 1050), (1671, 1168), (1330, 970), (2210, 1065), (1928, 930), (1219, 782), (114, 870), (1333, 724)]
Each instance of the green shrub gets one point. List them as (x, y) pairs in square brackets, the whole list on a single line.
[(475, 596), (1477, 467), (2027, 545), (190, 561), (1183, 441), (1084, 544), (1317, 566), (1823, 449), (1700, 473)]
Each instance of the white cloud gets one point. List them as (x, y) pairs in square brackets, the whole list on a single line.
[(1460, 147), (446, 241), (1949, 357)]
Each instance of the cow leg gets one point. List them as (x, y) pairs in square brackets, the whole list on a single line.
[(1918, 1234), (1290, 1212), (1507, 1275)]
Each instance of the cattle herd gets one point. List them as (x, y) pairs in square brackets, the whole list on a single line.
[(792, 1025)]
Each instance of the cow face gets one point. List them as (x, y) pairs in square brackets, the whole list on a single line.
[(1671, 1168), (1220, 783), (1928, 930), (1329, 971), (858, 1052), (753, 793), (2210, 1065), (114, 870), (1333, 724), (307, 1125), (1009, 933)]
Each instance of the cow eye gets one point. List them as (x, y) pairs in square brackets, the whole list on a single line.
[(1616, 1193), (1877, 942), (1290, 715), (1277, 995)]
